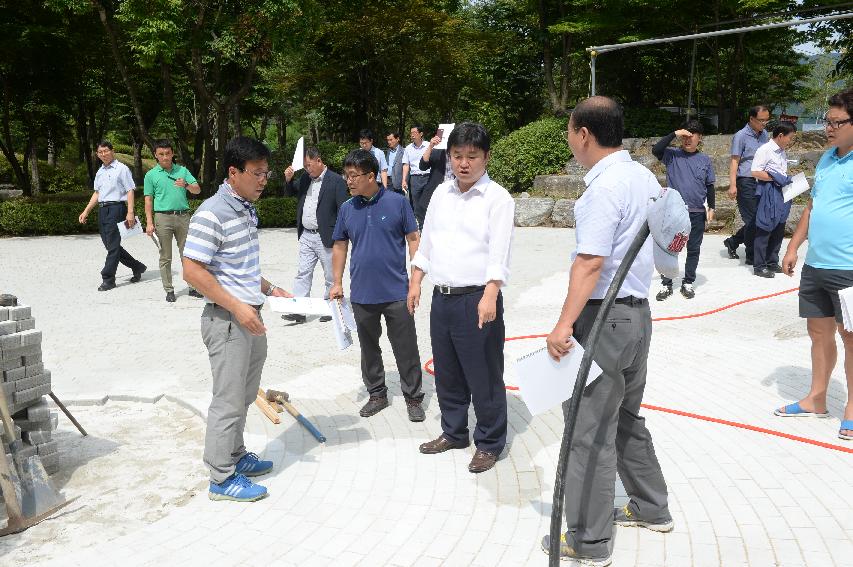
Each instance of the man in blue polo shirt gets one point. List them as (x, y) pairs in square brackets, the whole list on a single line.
[(741, 182), (829, 263), (380, 224)]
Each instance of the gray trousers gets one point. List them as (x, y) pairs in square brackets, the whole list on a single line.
[(404, 343), (167, 227), (236, 361), (311, 250), (610, 436)]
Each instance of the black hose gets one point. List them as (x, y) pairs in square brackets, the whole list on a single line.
[(583, 372)]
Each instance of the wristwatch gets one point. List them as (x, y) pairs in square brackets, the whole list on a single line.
[(270, 289)]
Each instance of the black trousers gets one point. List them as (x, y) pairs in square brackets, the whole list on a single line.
[(469, 367), (697, 233), (108, 217), (767, 246), (747, 204), (404, 343)]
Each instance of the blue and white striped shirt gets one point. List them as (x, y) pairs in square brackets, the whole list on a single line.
[(223, 236)]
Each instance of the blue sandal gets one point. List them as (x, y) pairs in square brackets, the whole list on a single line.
[(794, 410), (846, 424)]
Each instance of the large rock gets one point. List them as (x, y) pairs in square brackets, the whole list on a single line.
[(559, 186), (563, 215), (533, 211), (793, 219)]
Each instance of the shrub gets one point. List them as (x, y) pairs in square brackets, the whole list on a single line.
[(538, 148), (334, 154), (25, 217)]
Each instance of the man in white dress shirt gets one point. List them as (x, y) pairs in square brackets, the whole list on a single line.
[(610, 435), (465, 249), (113, 194)]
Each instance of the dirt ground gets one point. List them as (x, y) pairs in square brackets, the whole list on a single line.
[(139, 460)]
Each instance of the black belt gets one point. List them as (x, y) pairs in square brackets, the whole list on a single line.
[(447, 290), (311, 230), (627, 300), (258, 307), (108, 203), (182, 212)]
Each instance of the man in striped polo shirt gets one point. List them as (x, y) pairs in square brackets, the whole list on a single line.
[(222, 261)]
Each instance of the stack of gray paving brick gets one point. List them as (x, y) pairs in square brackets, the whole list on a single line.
[(25, 383)]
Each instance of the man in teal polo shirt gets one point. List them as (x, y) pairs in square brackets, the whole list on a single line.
[(826, 222), (167, 211)]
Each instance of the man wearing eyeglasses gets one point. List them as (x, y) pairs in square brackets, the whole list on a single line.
[(741, 182), (826, 222), (320, 194), (222, 261)]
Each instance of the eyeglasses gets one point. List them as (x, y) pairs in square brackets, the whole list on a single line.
[(354, 176), (261, 174), (761, 120), (835, 124)]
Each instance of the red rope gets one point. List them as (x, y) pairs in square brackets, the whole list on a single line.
[(429, 369)]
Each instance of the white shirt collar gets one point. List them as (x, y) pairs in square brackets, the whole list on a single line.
[(774, 146), (604, 163), (480, 185)]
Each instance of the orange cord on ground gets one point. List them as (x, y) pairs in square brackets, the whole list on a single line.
[(429, 369)]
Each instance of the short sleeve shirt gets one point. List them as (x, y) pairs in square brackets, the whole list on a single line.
[(223, 236), (609, 215), (160, 184), (113, 181), (412, 155), (830, 226), (380, 157), (770, 157), (744, 145), (377, 229)]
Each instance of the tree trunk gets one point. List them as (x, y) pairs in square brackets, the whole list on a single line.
[(6, 146), (265, 122), (51, 149), (138, 175), (35, 183), (281, 132), (238, 125)]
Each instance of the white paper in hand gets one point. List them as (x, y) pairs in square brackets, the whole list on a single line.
[(445, 130), (797, 186), (343, 322), (846, 298), (299, 155), (129, 232), (300, 305), (545, 383)]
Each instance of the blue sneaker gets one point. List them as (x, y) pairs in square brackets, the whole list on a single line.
[(251, 465), (237, 488)]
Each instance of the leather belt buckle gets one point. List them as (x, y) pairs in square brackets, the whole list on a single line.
[(443, 289)]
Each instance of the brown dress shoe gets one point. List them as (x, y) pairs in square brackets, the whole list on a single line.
[(441, 445), (482, 461)]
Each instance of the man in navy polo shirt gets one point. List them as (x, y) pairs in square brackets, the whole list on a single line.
[(379, 223)]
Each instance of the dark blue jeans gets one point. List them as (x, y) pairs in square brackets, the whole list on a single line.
[(108, 217), (697, 233)]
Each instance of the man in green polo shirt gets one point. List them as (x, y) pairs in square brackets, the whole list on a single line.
[(166, 209)]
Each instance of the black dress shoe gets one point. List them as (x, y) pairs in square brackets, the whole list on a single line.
[(731, 248), (415, 411), (137, 274), (373, 406), (482, 461), (294, 317), (764, 273), (170, 296), (194, 293), (325, 318), (106, 286), (775, 268), (441, 445)]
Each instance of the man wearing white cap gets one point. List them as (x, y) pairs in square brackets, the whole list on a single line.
[(610, 435)]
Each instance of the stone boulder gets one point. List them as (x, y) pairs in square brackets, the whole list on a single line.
[(563, 215), (534, 211), (793, 219)]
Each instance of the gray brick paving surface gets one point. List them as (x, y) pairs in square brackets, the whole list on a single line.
[(367, 497)]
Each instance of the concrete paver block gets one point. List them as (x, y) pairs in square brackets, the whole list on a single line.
[(19, 312), (31, 337), (4, 313), (14, 374), (10, 342), (34, 369), (26, 324), (47, 448), (36, 437), (8, 327), (31, 359)]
